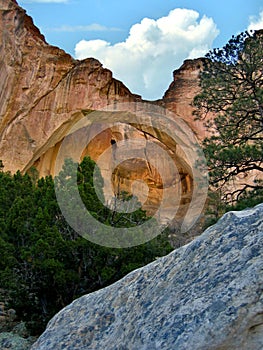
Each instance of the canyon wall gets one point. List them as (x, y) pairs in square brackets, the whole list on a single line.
[(181, 92), (42, 88), (44, 92)]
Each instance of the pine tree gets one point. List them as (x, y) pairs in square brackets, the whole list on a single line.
[(232, 90)]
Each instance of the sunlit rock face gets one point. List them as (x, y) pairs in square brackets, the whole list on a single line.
[(181, 92), (42, 88), (134, 158), (44, 92)]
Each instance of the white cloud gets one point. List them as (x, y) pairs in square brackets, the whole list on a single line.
[(94, 27), (256, 22), (154, 48)]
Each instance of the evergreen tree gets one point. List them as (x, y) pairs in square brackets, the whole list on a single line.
[(45, 264), (232, 90)]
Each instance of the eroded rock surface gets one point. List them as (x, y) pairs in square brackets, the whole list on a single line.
[(181, 92), (44, 92), (41, 89), (11, 341), (207, 295)]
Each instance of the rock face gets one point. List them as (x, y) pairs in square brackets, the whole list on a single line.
[(44, 91), (203, 296), (42, 88), (181, 92), (11, 341)]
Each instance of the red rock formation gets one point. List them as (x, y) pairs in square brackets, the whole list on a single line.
[(181, 92), (44, 91), (42, 87)]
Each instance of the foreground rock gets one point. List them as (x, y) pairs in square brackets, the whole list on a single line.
[(11, 341), (206, 295)]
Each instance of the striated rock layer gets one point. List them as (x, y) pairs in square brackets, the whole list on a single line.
[(42, 88), (207, 295), (44, 92), (181, 92)]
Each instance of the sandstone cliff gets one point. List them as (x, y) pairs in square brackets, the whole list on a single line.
[(206, 295), (181, 92), (42, 88), (44, 92)]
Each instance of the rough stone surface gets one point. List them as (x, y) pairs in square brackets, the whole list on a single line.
[(181, 92), (42, 87), (44, 91), (11, 341), (207, 295)]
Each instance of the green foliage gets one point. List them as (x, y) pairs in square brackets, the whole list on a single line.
[(216, 207), (44, 263), (232, 90), (248, 199)]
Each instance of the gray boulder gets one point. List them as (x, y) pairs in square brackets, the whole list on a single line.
[(207, 295), (11, 341)]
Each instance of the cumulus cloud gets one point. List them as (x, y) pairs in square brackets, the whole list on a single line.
[(256, 22), (154, 48)]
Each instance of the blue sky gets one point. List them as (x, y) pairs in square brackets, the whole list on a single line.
[(142, 42)]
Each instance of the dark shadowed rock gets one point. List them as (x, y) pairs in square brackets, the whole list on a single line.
[(206, 295)]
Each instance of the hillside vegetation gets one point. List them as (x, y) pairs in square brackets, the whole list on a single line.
[(44, 263)]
